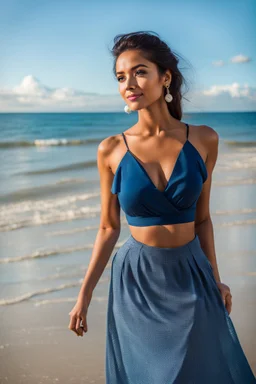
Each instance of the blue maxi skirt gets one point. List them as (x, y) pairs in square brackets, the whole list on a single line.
[(166, 320)]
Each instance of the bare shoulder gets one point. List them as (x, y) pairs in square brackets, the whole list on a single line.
[(106, 148), (209, 135), (204, 132), (206, 140), (210, 138), (205, 135)]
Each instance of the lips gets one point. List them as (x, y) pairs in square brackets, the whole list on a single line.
[(134, 97)]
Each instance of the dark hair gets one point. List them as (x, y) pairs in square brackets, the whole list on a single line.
[(157, 51)]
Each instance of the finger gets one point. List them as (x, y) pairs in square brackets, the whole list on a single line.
[(85, 327), (72, 324), (78, 327)]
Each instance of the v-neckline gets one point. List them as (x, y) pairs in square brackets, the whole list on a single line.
[(146, 173)]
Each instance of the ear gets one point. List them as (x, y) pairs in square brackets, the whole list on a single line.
[(167, 77)]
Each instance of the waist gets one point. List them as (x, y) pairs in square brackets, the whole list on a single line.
[(164, 235), (184, 249)]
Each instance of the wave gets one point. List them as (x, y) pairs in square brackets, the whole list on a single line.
[(45, 253), (242, 159), (234, 182), (75, 142), (237, 222), (44, 219), (64, 185), (48, 142), (38, 254), (66, 300), (63, 168), (29, 295), (75, 272), (40, 212), (240, 143), (234, 211)]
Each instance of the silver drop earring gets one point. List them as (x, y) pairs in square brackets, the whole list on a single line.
[(127, 109), (168, 97)]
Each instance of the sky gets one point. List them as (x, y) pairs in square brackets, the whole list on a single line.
[(55, 54)]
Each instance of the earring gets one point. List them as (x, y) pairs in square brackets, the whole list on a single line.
[(127, 109), (168, 96)]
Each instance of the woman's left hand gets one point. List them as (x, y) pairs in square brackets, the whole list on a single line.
[(226, 295)]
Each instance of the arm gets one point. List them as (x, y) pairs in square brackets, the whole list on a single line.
[(109, 227), (203, 222), (108, 233)]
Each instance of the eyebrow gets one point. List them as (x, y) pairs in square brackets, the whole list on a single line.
[(136, 66)]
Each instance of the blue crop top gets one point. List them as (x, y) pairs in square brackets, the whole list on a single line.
[(144, 204)]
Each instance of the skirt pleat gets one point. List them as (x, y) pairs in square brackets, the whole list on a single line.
[(166, 320)]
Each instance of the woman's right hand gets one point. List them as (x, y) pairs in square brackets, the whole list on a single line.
[(78, 315)]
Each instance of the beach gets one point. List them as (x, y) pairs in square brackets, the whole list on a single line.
[(49, 217)]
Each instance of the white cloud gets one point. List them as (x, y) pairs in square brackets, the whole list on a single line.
[(31, 86), (240, 59), (234, 90), (235, 60), (32, 96)]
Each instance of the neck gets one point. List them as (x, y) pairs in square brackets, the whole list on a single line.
[(156, 119)]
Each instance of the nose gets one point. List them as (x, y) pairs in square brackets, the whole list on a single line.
[(130, 83)]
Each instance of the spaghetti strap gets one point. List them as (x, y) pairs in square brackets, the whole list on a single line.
[(125, 141), (187, 129)]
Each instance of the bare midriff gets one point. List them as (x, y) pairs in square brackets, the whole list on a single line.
[(164, 236)]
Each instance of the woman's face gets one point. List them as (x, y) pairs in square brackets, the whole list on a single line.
[(137, 75)]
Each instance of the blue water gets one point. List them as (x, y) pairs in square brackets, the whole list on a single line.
[(23, 129)]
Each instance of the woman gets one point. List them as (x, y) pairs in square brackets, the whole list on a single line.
[(168, 311)]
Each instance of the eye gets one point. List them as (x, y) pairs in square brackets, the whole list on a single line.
[(139, 71)]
